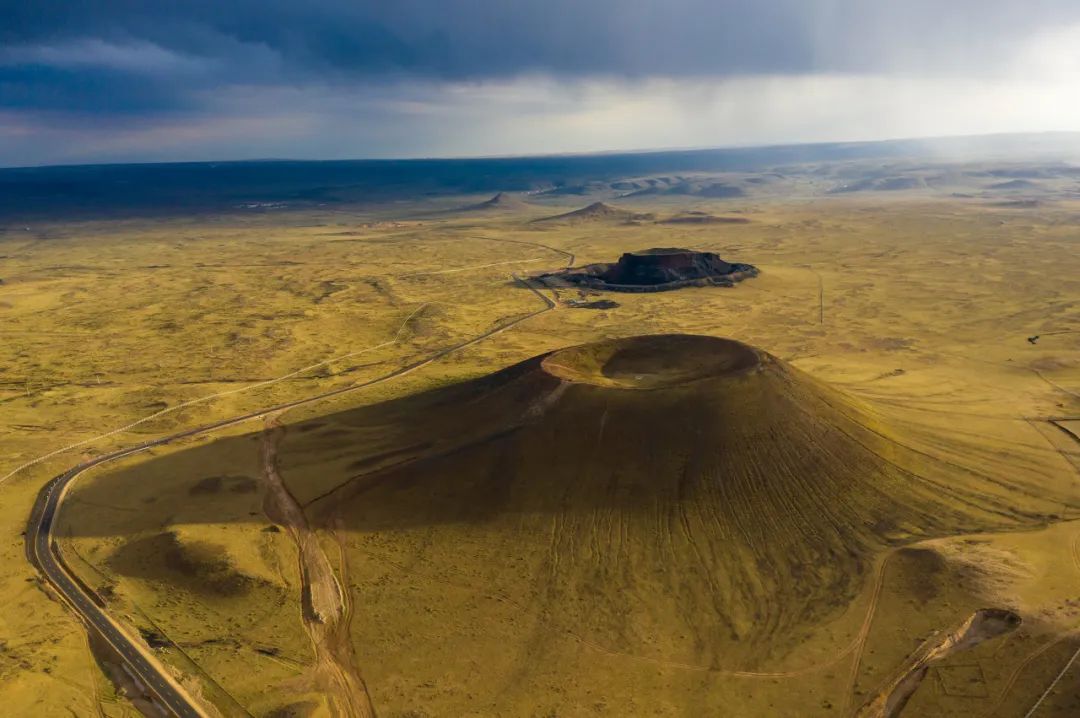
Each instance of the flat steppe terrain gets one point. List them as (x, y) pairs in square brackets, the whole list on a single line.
[(921, 311)]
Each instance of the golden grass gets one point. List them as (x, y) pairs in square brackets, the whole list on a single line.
[(919, 310)]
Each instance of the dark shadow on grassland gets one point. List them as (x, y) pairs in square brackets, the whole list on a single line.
[(752, 449), (628, 482), (198, 566)]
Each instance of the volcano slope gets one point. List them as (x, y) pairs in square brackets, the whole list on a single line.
[(615, 526)]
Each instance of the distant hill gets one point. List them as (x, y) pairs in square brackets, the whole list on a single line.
[(693, 188), (501, 202), (1019, 204), (698, 217), (881, 184), (184, 187), (597, 212)]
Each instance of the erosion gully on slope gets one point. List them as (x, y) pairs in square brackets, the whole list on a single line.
[(325, 614)]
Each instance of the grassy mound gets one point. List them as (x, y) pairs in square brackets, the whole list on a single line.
[(596, 212), (683, 498), (500, 202)]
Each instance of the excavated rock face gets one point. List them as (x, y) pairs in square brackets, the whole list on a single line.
[(657, 269)]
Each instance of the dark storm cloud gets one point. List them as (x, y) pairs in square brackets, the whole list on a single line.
[(439, 38), (310, 72), (480, 39), (93, 90)]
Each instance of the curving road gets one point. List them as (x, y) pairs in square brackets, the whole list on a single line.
[(42, 553), (41, 549)]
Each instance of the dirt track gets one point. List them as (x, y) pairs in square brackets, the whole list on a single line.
[(864, 631), (324, 611), (1011, 681)]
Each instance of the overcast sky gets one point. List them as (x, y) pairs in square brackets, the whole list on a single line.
[(139, 80)]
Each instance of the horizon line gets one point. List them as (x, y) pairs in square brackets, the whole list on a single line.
[(551, 155)]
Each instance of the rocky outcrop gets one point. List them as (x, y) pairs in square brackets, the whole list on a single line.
[(655, 270)]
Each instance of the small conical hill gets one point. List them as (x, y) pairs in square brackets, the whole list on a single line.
[(683, 497), (501, 202), (596, 212)]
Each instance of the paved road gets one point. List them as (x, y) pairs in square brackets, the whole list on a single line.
[(42, 553)]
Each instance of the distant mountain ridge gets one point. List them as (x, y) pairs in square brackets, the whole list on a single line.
[(96, 190)]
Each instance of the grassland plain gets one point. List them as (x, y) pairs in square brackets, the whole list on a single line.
[(919, 310)]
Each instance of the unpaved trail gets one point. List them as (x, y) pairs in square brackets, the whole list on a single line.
[(1053, 684), (326, 611), (1011, 681), (864, 632)]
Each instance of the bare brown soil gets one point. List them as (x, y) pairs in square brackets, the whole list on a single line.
[(324, 610)]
